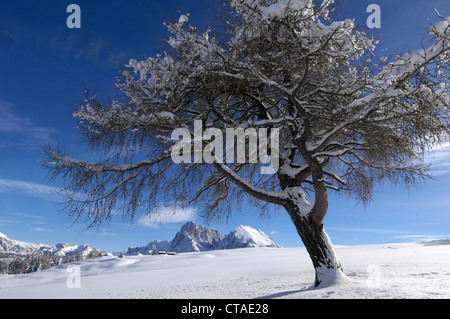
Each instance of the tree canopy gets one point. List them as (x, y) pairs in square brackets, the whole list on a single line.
[(347, 118)]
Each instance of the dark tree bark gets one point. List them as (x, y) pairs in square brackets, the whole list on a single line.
[(316, 241)]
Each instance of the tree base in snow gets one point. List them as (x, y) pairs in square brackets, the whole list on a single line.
[(317, 243), (328, 277)]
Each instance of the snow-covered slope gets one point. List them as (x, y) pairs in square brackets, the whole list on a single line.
[(72, 250), (15, 247), (406, 271), (193, 237), (20, 248), (150, 248)]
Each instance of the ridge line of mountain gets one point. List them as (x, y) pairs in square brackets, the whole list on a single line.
[(193, 238)]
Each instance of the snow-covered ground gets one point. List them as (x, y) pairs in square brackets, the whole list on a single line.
[(379, 271)]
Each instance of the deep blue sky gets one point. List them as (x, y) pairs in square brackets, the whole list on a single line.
[(43, 66)]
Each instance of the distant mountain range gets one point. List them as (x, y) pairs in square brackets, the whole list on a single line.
[(19, 248), (193, 237)]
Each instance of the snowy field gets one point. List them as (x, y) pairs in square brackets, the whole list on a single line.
[(380, 271)]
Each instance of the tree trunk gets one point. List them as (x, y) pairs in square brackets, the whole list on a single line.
[(326, 264)]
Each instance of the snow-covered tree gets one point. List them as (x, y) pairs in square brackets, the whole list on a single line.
[(347, 118)]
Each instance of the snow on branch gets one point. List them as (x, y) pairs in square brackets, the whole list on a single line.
[(58, 160), (341, 112)]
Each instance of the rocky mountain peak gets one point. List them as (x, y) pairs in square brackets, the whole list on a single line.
[(20, 248), (193, 237), (246, 236)]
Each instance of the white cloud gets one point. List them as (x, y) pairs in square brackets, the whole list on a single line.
[(421, 238), (380, 231), (7, 221), (106, 234), (64, 45), (19, 131), (26, 215), (96, 52), (42, 230), (168, 215), (439, 158), (93, 50), (27, 188)]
